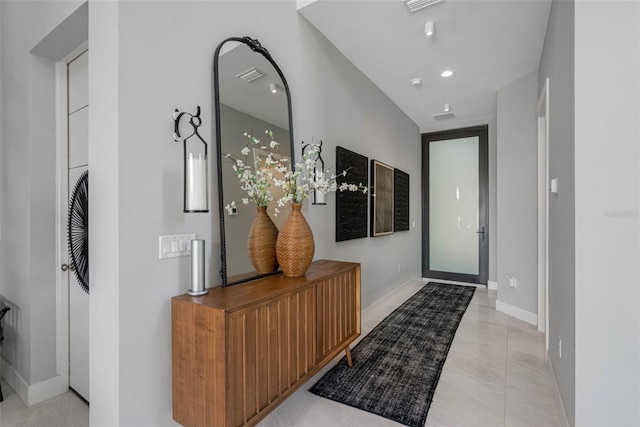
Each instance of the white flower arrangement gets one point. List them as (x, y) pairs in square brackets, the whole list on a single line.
[(304, 179), (256, 179)]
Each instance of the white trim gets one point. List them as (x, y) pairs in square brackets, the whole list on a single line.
[(453, 282), (34, 393), (75, 53), (62, 200), (492, 286), (542, 117), (517, 312), (15, 381)]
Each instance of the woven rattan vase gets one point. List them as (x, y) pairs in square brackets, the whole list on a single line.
[(295, 246), (261, 243)]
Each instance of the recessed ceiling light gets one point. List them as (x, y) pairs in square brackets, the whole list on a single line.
[(446, 73)]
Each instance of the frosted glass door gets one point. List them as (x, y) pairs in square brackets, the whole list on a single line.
[(453, 205), (455, 244)]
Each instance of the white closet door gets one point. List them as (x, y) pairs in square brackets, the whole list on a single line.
[(78, 163)]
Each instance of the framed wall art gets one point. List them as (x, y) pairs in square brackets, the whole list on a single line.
[(382, 211)]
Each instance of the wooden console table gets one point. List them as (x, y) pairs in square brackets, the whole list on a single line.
[(239, 351)]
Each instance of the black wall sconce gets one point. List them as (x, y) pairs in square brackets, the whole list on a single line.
[(319, 198), (196, 194)]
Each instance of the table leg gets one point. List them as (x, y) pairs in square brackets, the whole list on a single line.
[(349, 361)]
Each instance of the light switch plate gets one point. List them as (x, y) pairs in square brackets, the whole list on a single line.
[(554, 185), (175, 246)]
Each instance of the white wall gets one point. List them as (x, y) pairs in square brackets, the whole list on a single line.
[(557, 63), (159, 59), (106, 212), (517, 192), (28, 204), (607, 194)]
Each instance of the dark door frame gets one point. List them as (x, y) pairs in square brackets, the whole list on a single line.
[(482, 132)]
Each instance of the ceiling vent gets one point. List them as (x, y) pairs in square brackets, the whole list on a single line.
[(250, 75), (415, 5), (444, 116)]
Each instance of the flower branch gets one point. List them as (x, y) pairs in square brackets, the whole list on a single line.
[(305, 178), (255, 176)]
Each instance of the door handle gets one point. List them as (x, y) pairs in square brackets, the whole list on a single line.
[(65, 267), (481, 232)]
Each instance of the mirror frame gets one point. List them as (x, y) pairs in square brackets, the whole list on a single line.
[(255, 46)]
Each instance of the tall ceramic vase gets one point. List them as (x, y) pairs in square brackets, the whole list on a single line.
[(295, 246), (261, 243)]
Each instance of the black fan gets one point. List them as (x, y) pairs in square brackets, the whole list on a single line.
[(78, 230)]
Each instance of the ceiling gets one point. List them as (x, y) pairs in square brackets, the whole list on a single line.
[(487, 44)]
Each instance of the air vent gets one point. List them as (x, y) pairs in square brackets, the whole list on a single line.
[(415, 5), (444, 116), (250, 75)]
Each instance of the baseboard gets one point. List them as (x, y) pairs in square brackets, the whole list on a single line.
[(385, 296), (15, 381), (492, 286), (517, 312), (32, 394)]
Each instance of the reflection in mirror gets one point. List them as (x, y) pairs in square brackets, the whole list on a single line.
[(252, 97)]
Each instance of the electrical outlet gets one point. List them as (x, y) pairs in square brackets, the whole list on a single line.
[(513, 282), (560, 347)]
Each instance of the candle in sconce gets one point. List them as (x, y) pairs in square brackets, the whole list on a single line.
[(196, 185), (319, 197)]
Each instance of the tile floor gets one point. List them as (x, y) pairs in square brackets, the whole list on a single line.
[(495, 375), (65, 410)]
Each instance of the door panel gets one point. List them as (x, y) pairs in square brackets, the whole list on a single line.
[(78, 83), (455, 218), (78, 163), (78, 138), (78, 322)]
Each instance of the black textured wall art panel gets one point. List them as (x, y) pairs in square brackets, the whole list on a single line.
[(401, 202), (351, 206)]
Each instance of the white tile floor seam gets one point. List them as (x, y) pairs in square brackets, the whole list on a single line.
[(496, 374)]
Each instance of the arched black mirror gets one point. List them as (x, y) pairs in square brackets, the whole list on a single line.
[(251, 96)]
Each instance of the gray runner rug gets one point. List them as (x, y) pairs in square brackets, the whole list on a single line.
[(396, 367)]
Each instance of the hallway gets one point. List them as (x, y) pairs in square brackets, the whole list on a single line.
[(495, 375)]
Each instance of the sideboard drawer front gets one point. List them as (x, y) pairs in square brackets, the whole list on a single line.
[(338, 302), (270, 349)]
